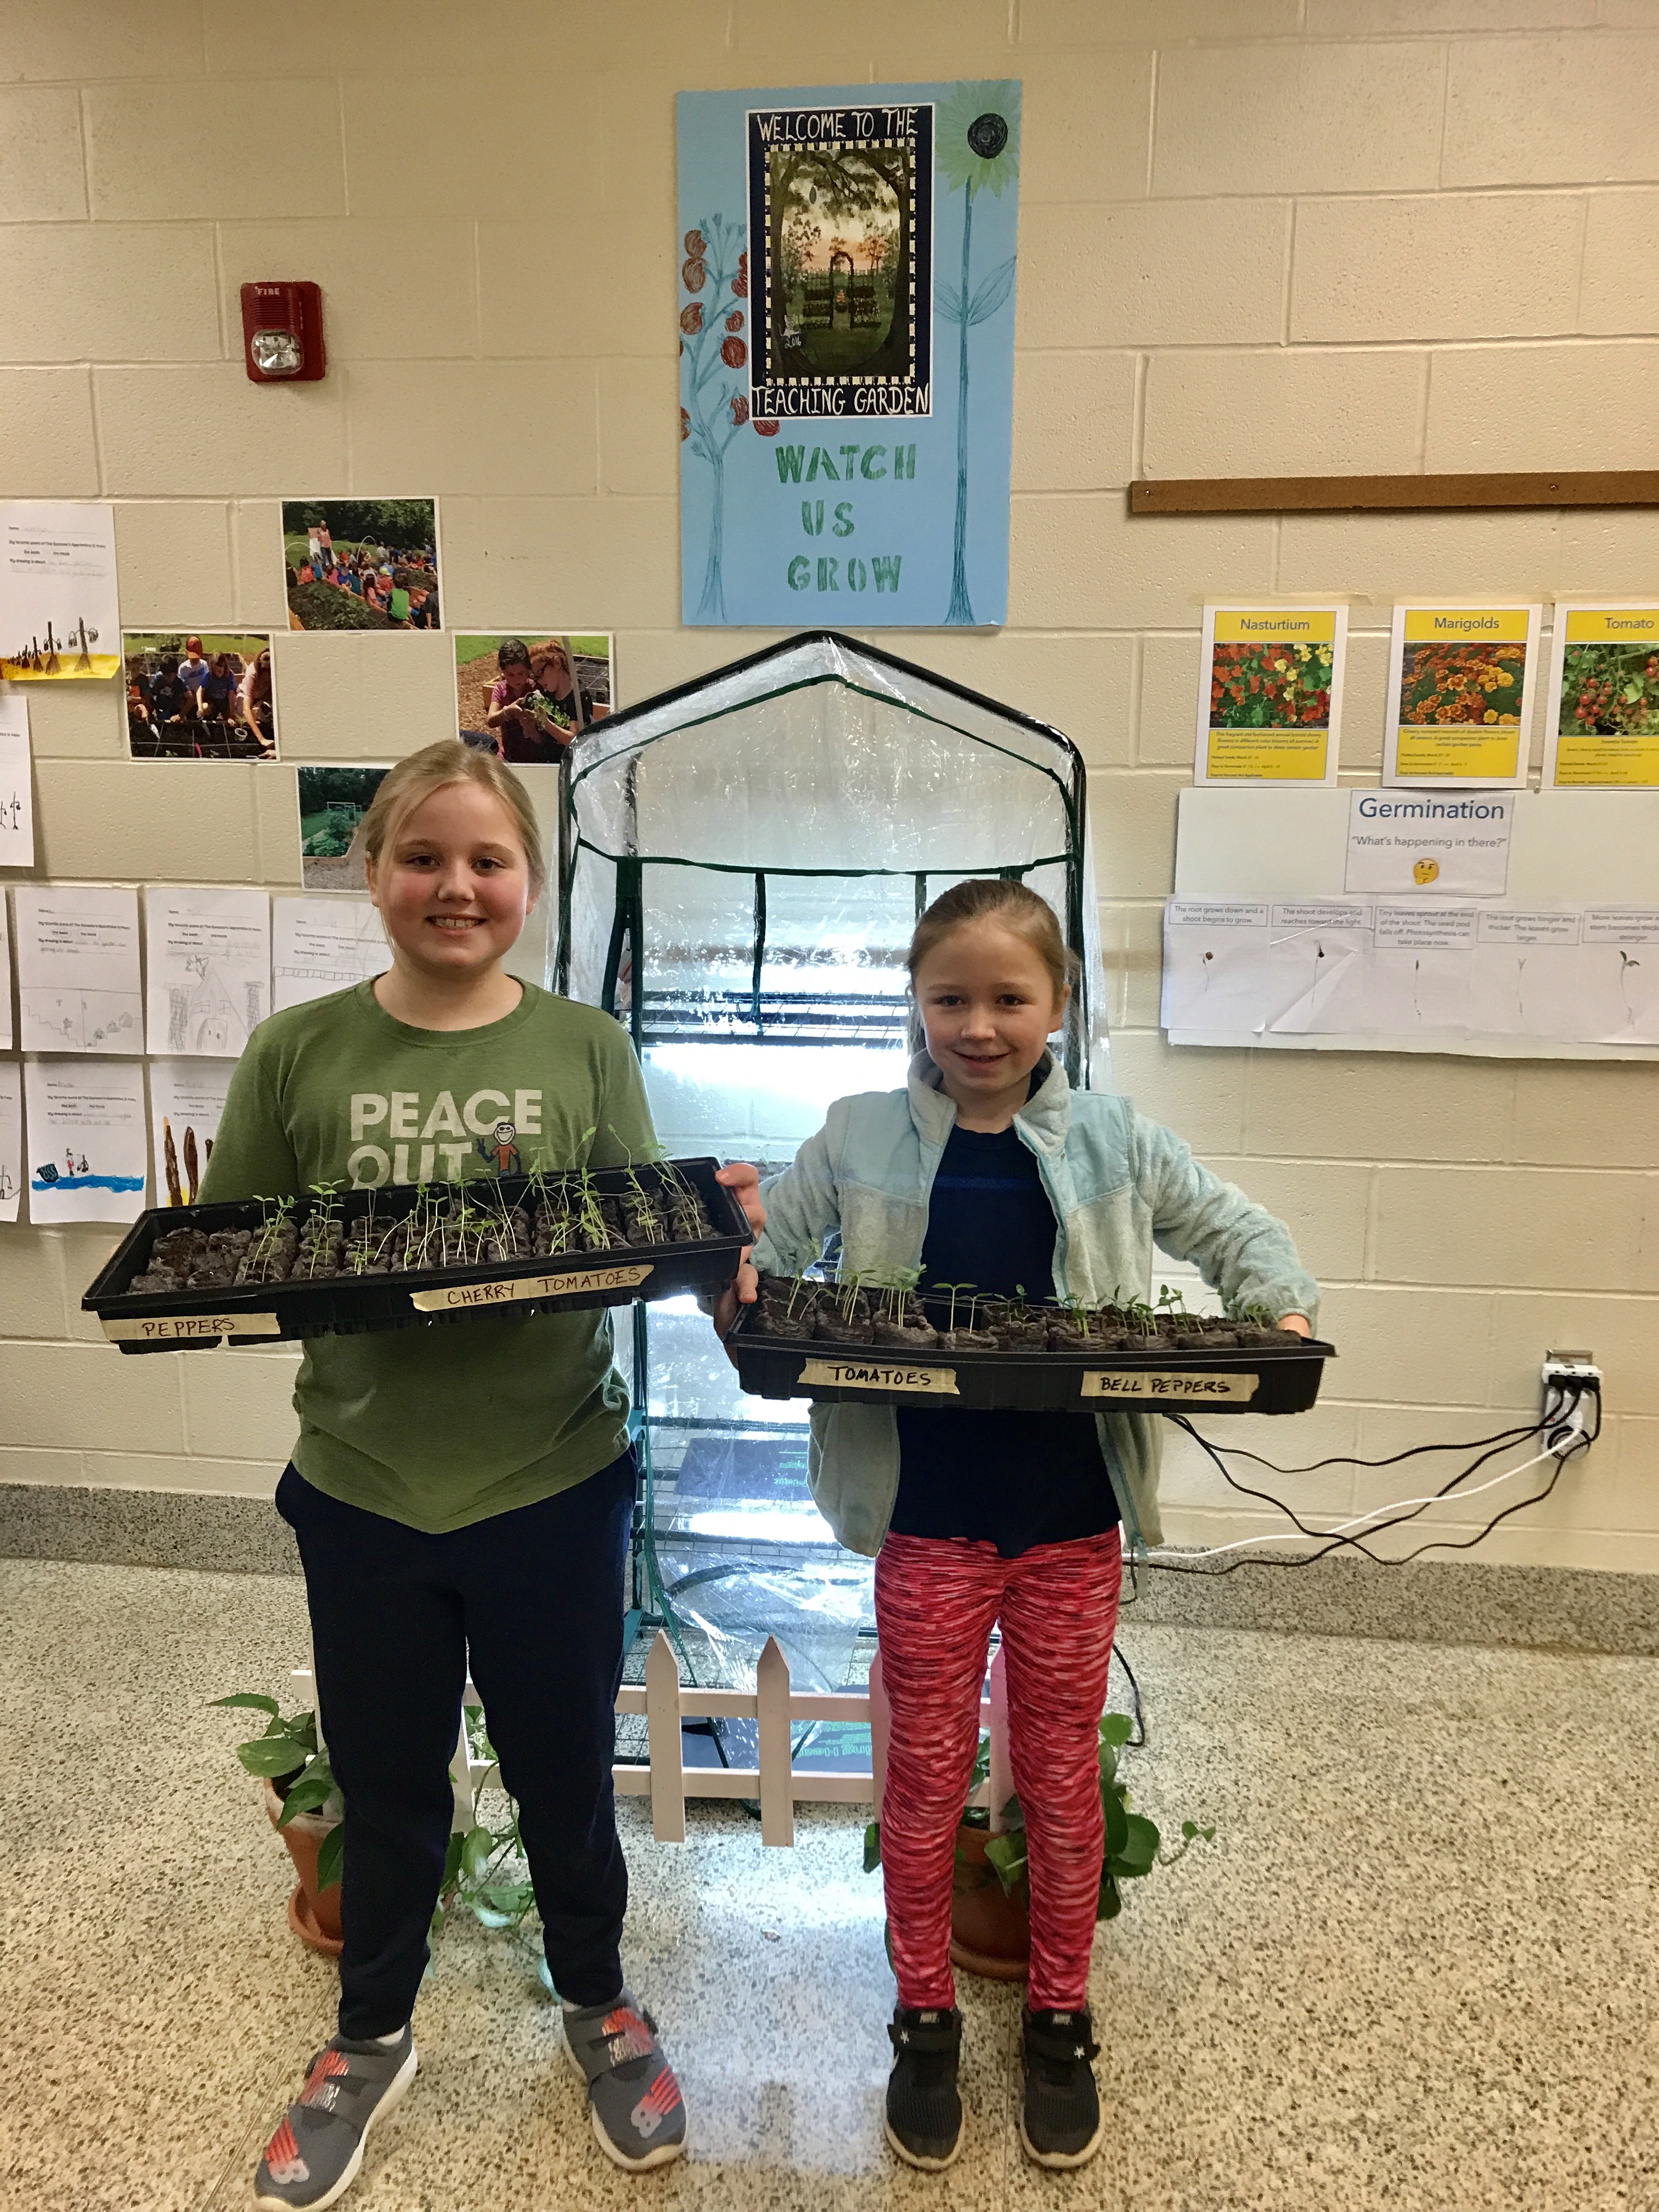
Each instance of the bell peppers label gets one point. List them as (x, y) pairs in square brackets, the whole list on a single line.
[(189, 1329), (457, 1298), (879, 1375), (1153, 1382)]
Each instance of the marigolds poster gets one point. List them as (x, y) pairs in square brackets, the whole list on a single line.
[(1270, 704), (847, 354), (1459, 691)]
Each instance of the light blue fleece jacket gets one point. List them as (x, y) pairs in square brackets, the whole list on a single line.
[(1116, 1182)]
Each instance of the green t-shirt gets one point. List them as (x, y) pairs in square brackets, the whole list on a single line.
[(438, 1426)]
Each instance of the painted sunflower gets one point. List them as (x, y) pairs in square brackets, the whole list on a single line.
[(977, 136)]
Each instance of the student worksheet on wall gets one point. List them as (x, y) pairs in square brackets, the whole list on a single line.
[(11, 1138), (86, 1140), (78, 987), (17, 783), (324, 945), (208, 955), (5, 976), (186, 1100)]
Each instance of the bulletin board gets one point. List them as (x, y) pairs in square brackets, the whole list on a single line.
[(1283, 934)]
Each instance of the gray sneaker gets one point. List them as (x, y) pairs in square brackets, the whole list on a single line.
[(313, 2157), (639, 2113)]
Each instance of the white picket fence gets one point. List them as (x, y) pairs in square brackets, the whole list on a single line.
[(773, 1704)]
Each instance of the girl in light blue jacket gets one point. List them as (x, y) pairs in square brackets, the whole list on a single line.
[(989, 1170)]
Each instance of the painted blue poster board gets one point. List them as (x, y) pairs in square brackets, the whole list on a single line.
[(847, 354)]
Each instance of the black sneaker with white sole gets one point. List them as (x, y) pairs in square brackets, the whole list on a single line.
[(1059, 2122), (313, 2157), (923, 2110)]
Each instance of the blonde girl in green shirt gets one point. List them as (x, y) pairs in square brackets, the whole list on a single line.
[(462, 1494)]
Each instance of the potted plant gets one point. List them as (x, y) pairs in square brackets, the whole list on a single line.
[(990, 1904), (303, 1802)]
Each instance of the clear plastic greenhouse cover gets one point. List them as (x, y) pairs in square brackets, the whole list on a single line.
[(744, 860)]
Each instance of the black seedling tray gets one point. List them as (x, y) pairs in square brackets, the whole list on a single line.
[(254, 1313), (1268, 1378)]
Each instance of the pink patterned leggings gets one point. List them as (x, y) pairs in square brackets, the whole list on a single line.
[(937, 1599)]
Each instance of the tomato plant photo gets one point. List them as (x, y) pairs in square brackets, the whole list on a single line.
[(1462, 684), (1612, 690), (1277, 686)]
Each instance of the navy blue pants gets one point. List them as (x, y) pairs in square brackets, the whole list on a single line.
[(534, 1599)]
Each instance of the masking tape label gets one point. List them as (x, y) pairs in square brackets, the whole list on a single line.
[(572, 1283), (879, 1375), (1152, 1382), (177, 1328)]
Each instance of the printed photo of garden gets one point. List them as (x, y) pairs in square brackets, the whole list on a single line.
[(1610, 691), (1462, 684), (362, 563), (1274, 686), (332, 802)]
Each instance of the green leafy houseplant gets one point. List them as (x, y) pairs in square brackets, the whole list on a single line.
[(478, 1863), (287, 1756), (1134, 1844)]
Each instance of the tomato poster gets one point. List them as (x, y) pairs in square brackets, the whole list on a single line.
[(1602, 731), (846, 301)]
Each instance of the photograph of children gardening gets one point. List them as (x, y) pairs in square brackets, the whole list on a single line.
[(526, 698), (362, 563), (199, 696)]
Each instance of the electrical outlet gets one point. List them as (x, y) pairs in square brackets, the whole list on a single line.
[(1571, 1417)]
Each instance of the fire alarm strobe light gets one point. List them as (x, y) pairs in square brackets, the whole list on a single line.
[(282, 333)]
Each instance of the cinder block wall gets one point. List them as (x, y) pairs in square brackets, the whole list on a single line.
[(1257, 236)]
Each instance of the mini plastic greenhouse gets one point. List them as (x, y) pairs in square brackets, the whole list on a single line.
[(741, 862)]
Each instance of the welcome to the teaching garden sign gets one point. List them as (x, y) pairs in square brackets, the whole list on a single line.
[(847, 354)]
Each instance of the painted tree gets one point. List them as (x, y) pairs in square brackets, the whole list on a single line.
[(712, 409)]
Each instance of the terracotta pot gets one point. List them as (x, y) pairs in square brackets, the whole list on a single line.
[(990, 1931), (314, 1916)]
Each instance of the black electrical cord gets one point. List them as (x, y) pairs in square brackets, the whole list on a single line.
[(1336, 1539), (1416, 1452), (1331, 1540), (1140, 1737)]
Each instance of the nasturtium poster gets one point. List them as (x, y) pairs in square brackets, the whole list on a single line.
[(847, 354)]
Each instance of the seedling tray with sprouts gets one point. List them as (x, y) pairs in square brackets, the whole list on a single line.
[(335, 1262), (887, 1347)]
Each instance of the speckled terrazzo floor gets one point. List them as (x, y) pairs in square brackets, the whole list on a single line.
[(1417, 1969)]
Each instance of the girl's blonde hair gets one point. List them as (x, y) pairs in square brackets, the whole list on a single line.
[(414, 780), (991, 898)]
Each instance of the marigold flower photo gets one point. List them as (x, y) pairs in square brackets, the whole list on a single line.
[(1462, 684)]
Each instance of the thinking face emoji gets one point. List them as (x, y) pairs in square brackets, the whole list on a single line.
[(1424, 872)]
